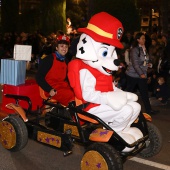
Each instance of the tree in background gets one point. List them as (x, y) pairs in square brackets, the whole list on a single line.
[(124, 10), (9, 15), (48, 16), (53, 16), (76, 10)]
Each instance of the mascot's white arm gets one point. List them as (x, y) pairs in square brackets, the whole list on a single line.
[(130, 96), (115, 99)]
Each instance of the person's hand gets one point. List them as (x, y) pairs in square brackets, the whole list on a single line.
[(142, 76), (150, 65), (52, 92), (157, 89), (131, 97)]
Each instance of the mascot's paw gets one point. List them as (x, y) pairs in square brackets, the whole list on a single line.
[(129, 139), (116, 99), (131, 97), (135, 132)]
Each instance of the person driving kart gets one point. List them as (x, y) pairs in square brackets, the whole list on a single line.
[(52, 73)]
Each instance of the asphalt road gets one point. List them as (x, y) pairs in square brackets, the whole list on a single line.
[(36, 156)]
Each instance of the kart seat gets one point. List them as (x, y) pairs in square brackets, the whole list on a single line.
[(83, 117), (44, 97), (78, 102)]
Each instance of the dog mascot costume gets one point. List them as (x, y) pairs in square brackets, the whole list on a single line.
[(91, 77)]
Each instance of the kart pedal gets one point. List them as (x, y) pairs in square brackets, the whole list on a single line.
[(63, 113), (67, 153)]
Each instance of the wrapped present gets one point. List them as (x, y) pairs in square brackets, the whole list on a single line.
[(29, 89), (22, 52), (13, 72)]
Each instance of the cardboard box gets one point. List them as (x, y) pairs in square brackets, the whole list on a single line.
[(13, 72), (22, 52), (29, 89)]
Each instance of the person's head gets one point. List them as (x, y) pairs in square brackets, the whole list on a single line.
[(161, 80), (139, 39), (62, 45), (164, 38), (154, 41)]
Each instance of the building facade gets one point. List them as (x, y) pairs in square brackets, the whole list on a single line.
[(154, 15)]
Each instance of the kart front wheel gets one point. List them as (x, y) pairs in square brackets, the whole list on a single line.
[(101, 156), (154, 142), (13, 133)]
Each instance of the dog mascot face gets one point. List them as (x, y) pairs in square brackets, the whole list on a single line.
[(102, 56), (97, 44)]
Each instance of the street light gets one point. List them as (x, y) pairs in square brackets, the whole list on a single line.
[(20, 8)]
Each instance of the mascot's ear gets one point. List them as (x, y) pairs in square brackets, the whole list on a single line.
[(85, 48)]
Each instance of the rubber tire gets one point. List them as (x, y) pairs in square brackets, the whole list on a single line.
[(155, 140), (21, 132), (108, 153)]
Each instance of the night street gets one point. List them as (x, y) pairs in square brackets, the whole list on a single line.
[(37, 156), (85, 85)]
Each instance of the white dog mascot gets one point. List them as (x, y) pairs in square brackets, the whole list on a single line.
[(91, 76)]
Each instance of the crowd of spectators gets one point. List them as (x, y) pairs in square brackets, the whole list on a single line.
[(158, 47), (41, 44)]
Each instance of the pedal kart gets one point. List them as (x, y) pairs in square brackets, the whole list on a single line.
[(62, 127)]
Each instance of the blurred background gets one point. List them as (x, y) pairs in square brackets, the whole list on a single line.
[(48, 16)]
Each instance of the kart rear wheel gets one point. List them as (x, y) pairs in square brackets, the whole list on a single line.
[(101, 156), (13, 133), (154, 142)]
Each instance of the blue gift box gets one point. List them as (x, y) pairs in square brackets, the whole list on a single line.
[(13, 72)]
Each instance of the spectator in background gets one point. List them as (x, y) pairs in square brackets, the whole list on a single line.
[(148, 41), (154, 52), (161, 93), (127, 40), (137, 70), (46, 48), (59, 32), (73, 45), (120, 77), (165, 59), (155, 29)]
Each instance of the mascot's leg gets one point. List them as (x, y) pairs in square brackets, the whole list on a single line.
[(129, 139), (117, 120), (135, 132), (136, 111), (121, 120)]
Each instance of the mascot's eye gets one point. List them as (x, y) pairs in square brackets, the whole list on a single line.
[(104, 53)]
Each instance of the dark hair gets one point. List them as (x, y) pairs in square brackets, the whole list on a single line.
[(137, 36)]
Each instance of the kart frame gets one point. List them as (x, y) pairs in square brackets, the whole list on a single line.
[(69, 125)]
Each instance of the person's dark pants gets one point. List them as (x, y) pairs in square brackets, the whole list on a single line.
[(143, 89)]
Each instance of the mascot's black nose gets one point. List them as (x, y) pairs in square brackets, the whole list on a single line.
[(116, 62)]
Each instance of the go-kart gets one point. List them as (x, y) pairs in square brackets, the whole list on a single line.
[(61, 127)]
